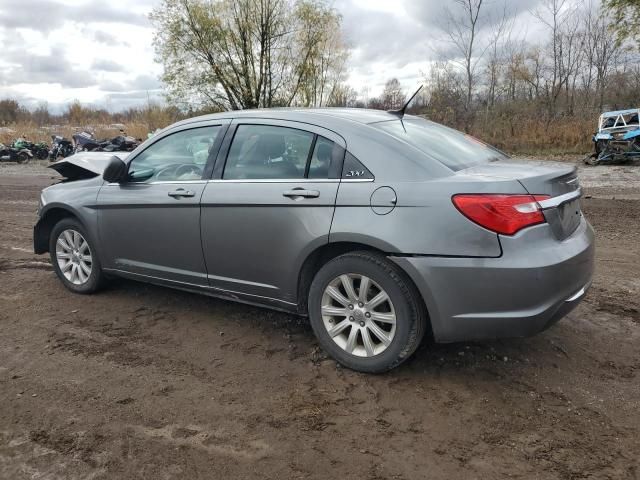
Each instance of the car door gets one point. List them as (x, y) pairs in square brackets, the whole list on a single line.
[(269, 205), (149, 224)]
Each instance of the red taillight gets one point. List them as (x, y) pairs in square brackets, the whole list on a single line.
[(506, 214)]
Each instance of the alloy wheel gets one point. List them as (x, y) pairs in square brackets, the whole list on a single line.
[(358, 315), (74, 256)]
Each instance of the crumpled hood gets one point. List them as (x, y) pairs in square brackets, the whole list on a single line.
[(84, 164)]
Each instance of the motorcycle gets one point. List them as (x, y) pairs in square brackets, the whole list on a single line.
[(60, 147), (87, 142), (40, 150), (123, 143), (10, 154)]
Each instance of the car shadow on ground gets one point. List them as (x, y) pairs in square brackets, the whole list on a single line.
[(491, 357)]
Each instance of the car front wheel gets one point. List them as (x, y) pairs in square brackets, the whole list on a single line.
[(365, 313), (74, 258)]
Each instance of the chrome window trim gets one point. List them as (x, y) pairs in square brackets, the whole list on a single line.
[(167, 182), (289, 180), (246, 180), (275, 180)]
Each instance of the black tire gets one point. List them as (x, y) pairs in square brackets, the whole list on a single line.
[(96, 278), (411, 315), (23, 157), (592, 160)]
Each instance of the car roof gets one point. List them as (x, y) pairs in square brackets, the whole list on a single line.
[(620, 112), (325, 117)]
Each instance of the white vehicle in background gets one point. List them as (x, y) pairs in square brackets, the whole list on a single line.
[(617, 138)]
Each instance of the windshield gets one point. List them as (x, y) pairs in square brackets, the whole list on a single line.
[(450, 147)]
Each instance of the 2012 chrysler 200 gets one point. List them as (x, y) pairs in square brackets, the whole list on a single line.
[(379, 227)]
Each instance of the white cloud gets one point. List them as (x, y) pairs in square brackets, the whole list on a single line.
[(102, 53), (68, 49)]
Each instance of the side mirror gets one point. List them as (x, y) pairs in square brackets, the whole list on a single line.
[(116, 170)]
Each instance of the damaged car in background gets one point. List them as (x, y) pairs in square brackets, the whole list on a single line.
[(617, 138), (380, 227)]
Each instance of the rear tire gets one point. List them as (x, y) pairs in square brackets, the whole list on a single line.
[(353, 325), (23, 157), (74, 257)]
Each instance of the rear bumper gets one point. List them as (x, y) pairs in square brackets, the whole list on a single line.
[(535, 282)]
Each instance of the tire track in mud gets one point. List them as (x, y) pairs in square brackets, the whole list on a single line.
[(6, 265)]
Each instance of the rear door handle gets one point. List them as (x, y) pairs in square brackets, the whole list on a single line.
[(181, 192), (301, 193)]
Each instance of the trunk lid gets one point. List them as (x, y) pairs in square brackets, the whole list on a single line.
[(557, 180)]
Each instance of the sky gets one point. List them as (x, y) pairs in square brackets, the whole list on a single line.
[(101, 52)]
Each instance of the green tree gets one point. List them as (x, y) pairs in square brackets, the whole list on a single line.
[(235, 54), (626, 19)]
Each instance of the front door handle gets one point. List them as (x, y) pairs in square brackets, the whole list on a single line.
[(301, 193), (181, 192)]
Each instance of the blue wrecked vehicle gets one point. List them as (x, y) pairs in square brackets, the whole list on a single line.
[(618, 137)]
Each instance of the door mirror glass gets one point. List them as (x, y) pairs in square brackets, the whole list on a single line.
[(115, 171)]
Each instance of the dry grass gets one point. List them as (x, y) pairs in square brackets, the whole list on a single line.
[(533, 136)]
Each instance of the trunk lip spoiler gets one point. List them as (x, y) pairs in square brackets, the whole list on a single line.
[(554, 202)]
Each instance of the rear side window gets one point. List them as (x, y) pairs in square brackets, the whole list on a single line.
[(272, 152), (450, 147)]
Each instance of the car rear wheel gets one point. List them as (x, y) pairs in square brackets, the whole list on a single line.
[(365, 313), (74, 258)]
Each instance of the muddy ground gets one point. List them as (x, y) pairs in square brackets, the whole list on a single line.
[(146, 382)]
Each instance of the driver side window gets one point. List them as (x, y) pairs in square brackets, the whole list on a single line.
[(180, 156)]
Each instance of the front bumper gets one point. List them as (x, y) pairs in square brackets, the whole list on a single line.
[(535, 282)]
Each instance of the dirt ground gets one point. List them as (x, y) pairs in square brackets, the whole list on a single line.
[(146, 382)]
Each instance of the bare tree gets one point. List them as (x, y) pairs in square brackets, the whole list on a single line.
[(564, 49), (499, 37), (463, 27), (600, 52), (392, 95)]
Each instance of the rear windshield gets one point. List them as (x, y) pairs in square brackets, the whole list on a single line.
[(450, 147)]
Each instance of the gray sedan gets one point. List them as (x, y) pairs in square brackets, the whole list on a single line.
[(381, 228)]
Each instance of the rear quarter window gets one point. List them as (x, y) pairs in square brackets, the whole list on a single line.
[(450, 147)]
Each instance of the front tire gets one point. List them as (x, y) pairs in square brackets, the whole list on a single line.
[(74, 257), (592, 160), (365, 312)]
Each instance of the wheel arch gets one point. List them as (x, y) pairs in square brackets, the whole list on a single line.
[(49, 218), (327, 252)]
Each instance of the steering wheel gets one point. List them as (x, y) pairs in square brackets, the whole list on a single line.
[(173, 172), (189, 168)]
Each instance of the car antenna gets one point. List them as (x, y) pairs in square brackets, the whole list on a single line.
[(400, 112)]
